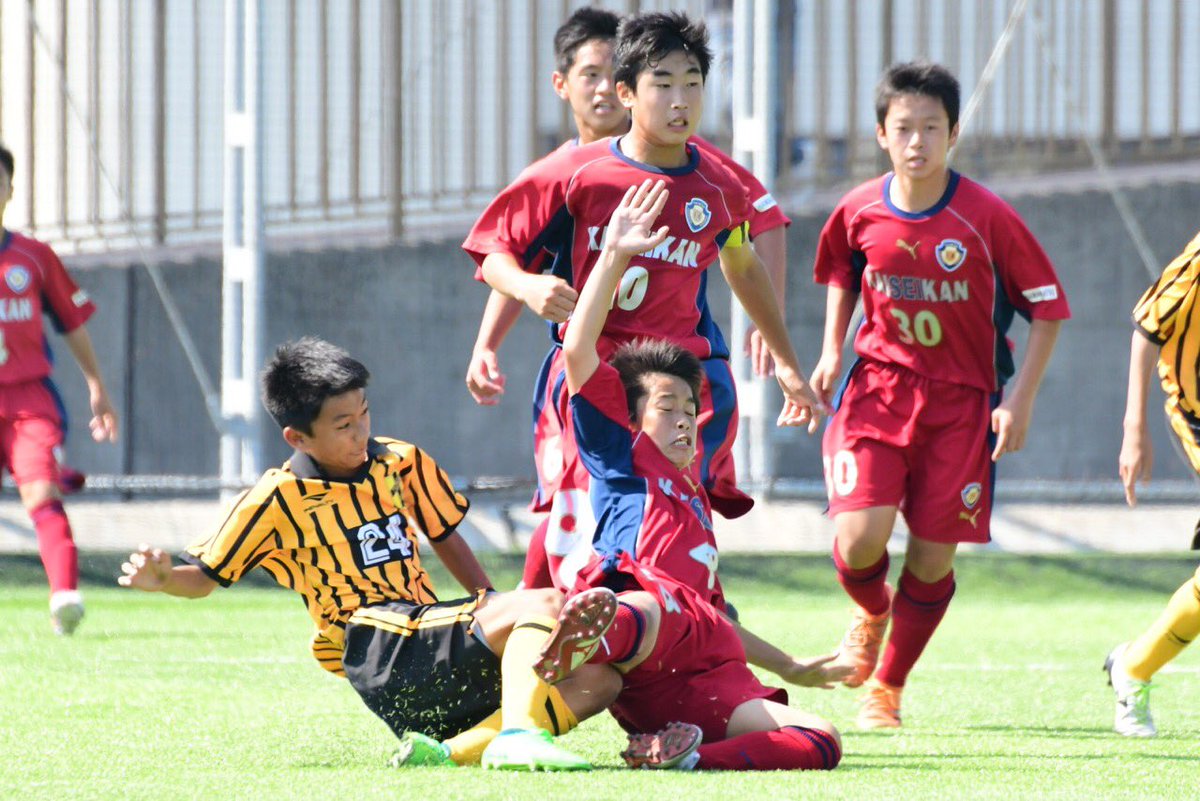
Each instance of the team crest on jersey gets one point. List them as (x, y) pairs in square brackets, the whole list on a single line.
[(697, 214), (971, 494), (17, 278), (950, 254)]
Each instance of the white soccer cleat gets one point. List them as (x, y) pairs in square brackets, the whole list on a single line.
[(66, 610), (1133, 698)]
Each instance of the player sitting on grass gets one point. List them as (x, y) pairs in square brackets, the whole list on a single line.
[(941, 266), (337, 523), (1164, 333)]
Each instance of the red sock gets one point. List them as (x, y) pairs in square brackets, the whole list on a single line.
[(789, 748), (56, 545), (916, 613), (537, 563), (866, 586), (623, 637)]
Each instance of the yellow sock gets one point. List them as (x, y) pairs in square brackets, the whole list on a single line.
[(1177, 626), (555, 716), (522, 694), (467, 748)]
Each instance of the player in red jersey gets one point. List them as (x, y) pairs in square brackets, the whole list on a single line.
[(31, 418), (941, 265), (520, 225)]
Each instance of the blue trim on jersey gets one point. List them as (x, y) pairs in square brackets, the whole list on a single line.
[(858, 266), (707, 327), (58, 403), (693, 160), (1002, 317), (6, 239), (724, 396), (995, 399), (539, 385), (841, 390), (942, 203)]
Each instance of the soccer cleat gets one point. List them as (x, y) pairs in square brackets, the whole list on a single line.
[(1133, 698), (860, 647), (575, 638), (532, 750), (665, 749), (70, 480), (66, 610), (880, 706), (419, 750)]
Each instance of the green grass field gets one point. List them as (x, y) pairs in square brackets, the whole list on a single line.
[(163, 698)]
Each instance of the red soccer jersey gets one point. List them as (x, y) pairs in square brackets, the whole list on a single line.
[(939, 287), (35, 283), (765, 213), (561, 205), (644, 505)]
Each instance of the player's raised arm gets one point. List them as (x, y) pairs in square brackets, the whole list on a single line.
[(749, 281), (630, 232)]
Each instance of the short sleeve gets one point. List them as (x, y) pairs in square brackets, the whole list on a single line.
[(1158, 309), (67, 305), (430, 498), (764, 212), (599, 417), (838, 263), (243, 540), (1025, 271)]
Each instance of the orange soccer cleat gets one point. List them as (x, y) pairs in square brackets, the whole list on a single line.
[(668, 748), (880, 706), (582, 622), (860, 647)]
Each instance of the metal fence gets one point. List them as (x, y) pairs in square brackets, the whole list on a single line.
[(401, 118)]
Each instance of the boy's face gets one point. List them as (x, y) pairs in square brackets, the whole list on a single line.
[(669, 98), (916, 135), (588, 88), (338, 442), (667, 415)]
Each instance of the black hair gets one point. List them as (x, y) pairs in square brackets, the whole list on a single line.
[(918, 78), (6, 161), (638, 359), (302, 375), (646, 39), (585, 25)]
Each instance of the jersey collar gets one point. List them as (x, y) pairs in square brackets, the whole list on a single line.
[(692, 151), (302, 465), (942, 203)]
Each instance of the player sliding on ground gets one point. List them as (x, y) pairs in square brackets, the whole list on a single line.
[(1165, 332), (941, 266), (337, 523)]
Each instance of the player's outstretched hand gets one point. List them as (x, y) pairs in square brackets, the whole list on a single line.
[(549, 297), (1135, 461), (485, 382), (761, 360), (146, 569), (103, 424), (800, 404), (631, 229), (816, 672)]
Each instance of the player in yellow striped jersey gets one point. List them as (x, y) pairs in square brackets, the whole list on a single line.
[(337, 523), (1167, 319)]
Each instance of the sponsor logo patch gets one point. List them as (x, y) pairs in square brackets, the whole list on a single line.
[(697, 214), (765, 202), (950, 254), (17, 278), (79, 298), (1041, 293)]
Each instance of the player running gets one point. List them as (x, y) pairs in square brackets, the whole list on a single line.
[(32, 418), (337, 523), (941, 266), (1163, 332), (553, 217)]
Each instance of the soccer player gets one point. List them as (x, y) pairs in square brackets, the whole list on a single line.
[(1163, 332), (941, 266), (554, 213), (337, 524), (32, 419)]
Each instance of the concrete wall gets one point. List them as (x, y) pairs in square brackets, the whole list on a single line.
[(411, 313)]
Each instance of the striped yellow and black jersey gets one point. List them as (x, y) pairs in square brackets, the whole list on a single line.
[(1169, 315), (341, 543)]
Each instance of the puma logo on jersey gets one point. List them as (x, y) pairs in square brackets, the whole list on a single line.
[(912, 249), (673, 250)]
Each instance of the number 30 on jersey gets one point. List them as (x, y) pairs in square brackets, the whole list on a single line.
[(923, 328)]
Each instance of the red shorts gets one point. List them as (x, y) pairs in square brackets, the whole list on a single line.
[(900, 439), (696, 674), (557, 461), (30, 431)]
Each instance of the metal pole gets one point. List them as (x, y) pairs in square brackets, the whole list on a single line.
[(755, 134), (242, 279)]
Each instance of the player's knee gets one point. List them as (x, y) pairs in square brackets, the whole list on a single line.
[(546, 601), (37, 493)]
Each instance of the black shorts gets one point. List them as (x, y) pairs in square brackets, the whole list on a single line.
[(420, 668)]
